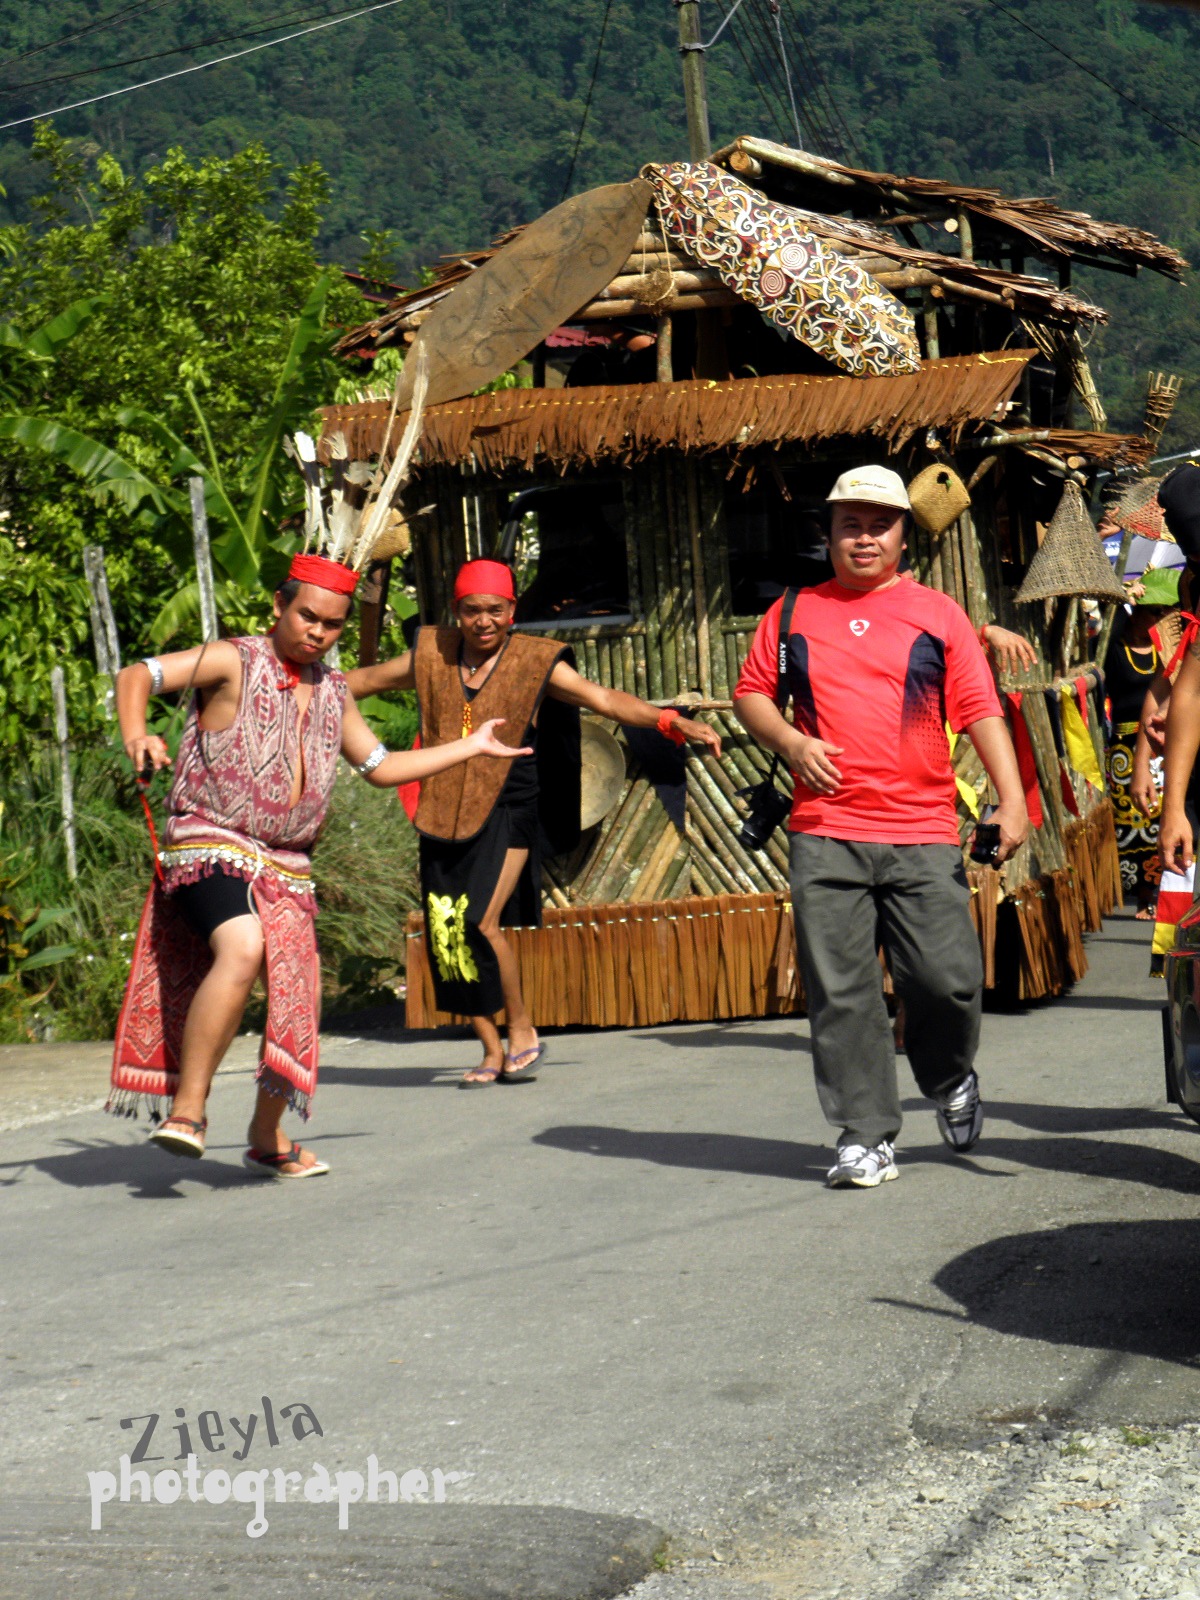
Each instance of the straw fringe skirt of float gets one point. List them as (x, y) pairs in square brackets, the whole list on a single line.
[(707, 957), (632, 965)]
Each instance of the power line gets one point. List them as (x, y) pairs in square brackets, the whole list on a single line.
[(93, 27), (753, 76), (762, 76), (1075, 62), (787, 70), (200, 66), (176, 50), (587, 104), (765, 50), (822, 90)]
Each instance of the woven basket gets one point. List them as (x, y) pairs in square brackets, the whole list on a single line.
[(1138, 509), (1071, 560), (938, 497)]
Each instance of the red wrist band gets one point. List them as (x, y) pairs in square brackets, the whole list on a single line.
[(668, 726)]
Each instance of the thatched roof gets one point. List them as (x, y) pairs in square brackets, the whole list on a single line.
[(821, 190), (1048, 227), (892, 264), (514, 429)]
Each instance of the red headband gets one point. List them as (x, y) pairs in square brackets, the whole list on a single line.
[(484, 577), (325, 574)]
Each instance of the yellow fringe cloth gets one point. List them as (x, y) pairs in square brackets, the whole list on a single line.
[(708, 958)]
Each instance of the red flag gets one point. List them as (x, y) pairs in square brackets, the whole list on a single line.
[(1026, 763)]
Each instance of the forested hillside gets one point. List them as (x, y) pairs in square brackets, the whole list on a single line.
[(446, 121)]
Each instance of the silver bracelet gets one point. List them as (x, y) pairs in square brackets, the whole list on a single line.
[(154, 667), (365, 768)]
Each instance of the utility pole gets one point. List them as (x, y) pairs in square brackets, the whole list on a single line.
[(695, 92)]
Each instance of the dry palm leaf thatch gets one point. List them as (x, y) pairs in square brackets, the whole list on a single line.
[(627, 422), (1071, 560), (1047, 225)]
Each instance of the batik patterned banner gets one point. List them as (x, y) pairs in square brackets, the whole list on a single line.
[(801, 284)]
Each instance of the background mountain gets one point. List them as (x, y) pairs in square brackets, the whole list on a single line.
[(443, 122)]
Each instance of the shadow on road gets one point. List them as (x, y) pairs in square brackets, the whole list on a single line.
[(730, 1039), (149, 1173), (710, 1152), (1119, 1286), (1066, 1119), (783, 1158)]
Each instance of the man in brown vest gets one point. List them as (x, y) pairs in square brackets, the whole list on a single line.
[(482, 823)]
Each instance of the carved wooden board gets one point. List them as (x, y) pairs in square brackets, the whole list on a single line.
[(552, 268)]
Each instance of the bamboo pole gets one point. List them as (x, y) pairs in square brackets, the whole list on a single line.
[(710, 498), (723, 817), (730, 879), (59, 691), (104, 624), (665, 600), (664, 369), (209, 628), (683, 564), (699, 588)]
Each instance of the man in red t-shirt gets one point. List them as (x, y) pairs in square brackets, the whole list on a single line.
[(877, 665)]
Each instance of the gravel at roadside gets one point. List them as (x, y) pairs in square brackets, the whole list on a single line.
[(1041, 1512)]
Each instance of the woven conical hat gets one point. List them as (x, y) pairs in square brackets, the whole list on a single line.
[(603, 772), (1071, 560)]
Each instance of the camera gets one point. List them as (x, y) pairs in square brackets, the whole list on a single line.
[(986, 843), (766, 808)]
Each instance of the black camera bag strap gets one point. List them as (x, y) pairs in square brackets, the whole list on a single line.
[(782, 691)]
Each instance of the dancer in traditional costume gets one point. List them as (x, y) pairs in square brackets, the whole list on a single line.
[(484, 826), (253, 780)]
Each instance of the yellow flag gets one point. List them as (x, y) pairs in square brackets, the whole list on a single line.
[(967, 793), (1081, 752)]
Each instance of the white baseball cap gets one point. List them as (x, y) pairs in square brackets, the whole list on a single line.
[(875, 486)]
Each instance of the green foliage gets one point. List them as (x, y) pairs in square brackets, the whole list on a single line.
[(22, 950), (43, 624), (205, 338), (366, 873)]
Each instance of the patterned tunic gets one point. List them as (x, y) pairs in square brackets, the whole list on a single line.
[(230, 804)]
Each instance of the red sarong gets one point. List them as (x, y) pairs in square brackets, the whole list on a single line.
[(169, 964)]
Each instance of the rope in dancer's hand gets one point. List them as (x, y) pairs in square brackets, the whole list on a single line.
[(144, 779)]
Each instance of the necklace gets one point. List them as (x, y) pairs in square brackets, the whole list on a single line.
[(465, 672), (1145, 649)]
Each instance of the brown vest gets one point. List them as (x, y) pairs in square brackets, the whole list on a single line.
[(456, 804)]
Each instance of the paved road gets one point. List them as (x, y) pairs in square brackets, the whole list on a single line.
[(617, 1310)]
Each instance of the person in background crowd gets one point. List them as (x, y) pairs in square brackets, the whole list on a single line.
[(1130, 666)]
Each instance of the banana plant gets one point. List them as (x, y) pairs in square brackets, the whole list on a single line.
[(245, 505)]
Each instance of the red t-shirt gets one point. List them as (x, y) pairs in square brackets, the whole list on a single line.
[(879, 673)]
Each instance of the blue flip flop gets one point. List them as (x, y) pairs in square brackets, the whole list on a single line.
[(522, 1074)]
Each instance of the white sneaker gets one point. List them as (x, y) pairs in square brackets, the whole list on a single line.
[(858, 1167), (960, 1114)]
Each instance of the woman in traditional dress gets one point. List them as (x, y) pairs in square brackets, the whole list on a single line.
[(1129, 669)]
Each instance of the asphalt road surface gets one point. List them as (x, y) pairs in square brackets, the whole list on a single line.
[(612, 1325)]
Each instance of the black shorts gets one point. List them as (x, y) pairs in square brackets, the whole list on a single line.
[(212, 900)]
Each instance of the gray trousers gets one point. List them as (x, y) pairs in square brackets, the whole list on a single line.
[(848, 899)]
